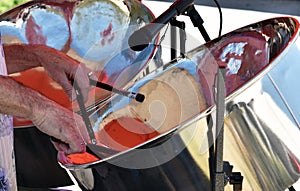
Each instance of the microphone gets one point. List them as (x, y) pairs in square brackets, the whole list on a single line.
[(141, 38)]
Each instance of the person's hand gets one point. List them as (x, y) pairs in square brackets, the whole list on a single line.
[(67, 128), (64, 70), (59, 66), (48, 116)]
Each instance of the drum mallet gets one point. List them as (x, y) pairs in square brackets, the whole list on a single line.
[(137, 96)]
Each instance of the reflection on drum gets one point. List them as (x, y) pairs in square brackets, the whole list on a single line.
[(94, 32), (164, 143)]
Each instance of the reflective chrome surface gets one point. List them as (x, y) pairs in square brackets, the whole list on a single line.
[(261, 120), (95, 32)]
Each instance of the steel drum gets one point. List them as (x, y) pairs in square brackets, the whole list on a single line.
[(165, 142), (94, 32)]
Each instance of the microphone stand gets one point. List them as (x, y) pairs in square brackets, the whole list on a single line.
[(216, 151), (181, 25), (216, 161), (218, 170)]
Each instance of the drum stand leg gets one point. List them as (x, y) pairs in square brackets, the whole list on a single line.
[(220, 170), (234, 178), (220, 106)]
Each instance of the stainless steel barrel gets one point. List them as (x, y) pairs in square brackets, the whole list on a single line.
[(165, 143), (93, 32)]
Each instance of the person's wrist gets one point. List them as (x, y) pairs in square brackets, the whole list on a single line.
[(39, 110)]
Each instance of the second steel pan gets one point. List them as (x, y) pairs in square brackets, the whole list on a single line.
[(165, 142)]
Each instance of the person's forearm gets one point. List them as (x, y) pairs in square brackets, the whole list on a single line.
[(20, 57), (18, 100), (59, 66), (48, 116)]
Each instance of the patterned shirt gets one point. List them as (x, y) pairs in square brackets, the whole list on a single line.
[(7, 160)]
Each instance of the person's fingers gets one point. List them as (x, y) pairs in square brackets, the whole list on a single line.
[(66, 128), (82, 80), (76, 146), (67, 86), (60, 146), (62, 158)]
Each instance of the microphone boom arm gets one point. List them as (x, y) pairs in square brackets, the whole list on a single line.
[(141, 38), (197, 21)]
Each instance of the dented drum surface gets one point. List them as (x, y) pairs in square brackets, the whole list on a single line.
[(94, 32), (164, 143)]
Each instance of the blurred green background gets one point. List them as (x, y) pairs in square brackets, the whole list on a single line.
[(7, 4)]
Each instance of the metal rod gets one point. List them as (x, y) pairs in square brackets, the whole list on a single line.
[(220, 106), (84, 113)]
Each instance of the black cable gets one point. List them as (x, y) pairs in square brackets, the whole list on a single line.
[(221, 16)]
